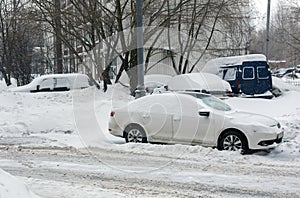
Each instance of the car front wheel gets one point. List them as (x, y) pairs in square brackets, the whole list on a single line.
[(233, 141), (135, 133)]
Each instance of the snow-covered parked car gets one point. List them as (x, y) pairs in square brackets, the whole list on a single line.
[(56, 82), (155, 81), (200, 82), (199, 119)]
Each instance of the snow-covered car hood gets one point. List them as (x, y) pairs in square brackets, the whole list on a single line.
[(251, 118)]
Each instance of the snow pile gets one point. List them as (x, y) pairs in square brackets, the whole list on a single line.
[(75, 118), (3, 86), (27, 116), (10, 187)]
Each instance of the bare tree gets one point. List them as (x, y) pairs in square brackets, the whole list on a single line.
[(106, 31), (199, 30), (19, 35), (284, 34)]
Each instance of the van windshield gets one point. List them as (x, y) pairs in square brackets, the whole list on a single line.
[(230, 74)]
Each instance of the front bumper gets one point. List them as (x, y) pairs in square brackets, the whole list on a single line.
[(271, 142), (266, 140)]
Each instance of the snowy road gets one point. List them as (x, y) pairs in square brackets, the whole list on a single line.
[(115, 173)]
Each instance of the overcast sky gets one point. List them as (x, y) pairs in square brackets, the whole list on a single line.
[(261, 6)]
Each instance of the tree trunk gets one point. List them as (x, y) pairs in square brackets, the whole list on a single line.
[(132, 73)]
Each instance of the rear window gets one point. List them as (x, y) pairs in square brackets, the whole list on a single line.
[(248, 73), (262, 73)]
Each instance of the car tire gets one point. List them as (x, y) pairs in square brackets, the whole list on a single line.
[(233, 141), (135, 133)]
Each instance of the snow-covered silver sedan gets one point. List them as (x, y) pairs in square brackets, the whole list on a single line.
[(198, 119)]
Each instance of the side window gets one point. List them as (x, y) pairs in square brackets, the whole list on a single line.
[(61, 82), (248, 73), (47, 84), (262, 73)]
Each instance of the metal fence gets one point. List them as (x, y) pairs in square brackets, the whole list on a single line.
[(293, 82)]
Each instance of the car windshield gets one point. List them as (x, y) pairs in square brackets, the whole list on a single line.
[(213, 102)]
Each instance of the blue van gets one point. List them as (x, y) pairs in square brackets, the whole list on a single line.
[(250, 77), (247, 74)]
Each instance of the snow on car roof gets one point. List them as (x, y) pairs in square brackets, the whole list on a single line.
[(69, 75), (165, 103), (159, 78), (213, 65)]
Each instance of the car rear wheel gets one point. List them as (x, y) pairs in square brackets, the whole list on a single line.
[(233, 141), (135, 133)]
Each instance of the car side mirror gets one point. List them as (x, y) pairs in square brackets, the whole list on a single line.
[(38, 87), (204, 113)]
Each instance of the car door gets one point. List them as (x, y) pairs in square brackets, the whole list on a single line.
[(193, 124), (158, 125), (256, 77), (248, 82), (264, 79), (155, 117)]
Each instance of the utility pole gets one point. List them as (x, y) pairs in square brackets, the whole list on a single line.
[(268, 31), (58, 63), (140, 92)]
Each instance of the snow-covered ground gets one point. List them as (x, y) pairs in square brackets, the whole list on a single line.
[(58, 144), (12, 187)]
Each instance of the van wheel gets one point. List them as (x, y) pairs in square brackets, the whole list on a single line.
[(233, 141), (135, 133)]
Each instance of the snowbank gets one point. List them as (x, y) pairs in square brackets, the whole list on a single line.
[(75, 118), (10, 187), (3, 86)]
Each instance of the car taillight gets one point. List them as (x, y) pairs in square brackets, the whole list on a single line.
[(239, 86), (112, 114)]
